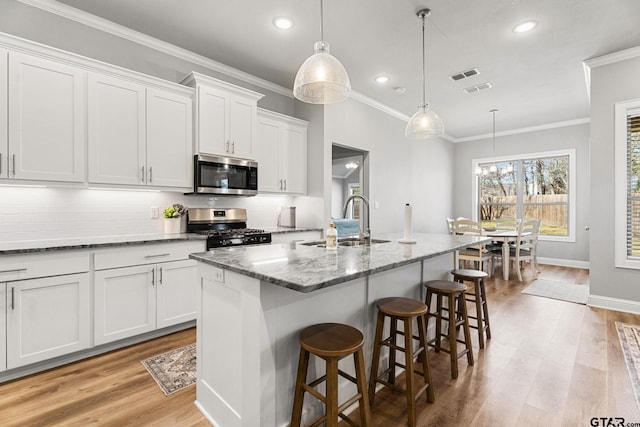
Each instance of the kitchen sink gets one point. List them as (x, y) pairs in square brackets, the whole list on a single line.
[(352, 242)]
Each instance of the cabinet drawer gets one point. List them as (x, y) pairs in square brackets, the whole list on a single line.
[(54, 263), (146, 254)]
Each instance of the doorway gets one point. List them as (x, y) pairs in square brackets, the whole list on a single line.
[(349, 175)]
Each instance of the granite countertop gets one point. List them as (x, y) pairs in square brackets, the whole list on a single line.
[(308, 268), (28, 246), (282, 230)]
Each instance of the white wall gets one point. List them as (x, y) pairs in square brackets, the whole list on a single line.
[(337, 197), (610, 83), (576, 136), (401, 171)]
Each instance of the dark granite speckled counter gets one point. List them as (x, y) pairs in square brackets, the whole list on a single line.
[(29, 246), (308, 268)]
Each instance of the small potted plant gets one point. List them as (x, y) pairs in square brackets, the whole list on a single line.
[(175, 219)]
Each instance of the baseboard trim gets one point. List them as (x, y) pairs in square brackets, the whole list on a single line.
[(614, 304), (564, 262)]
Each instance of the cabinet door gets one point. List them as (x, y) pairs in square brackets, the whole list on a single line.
[(177, 292), (3, 328), (266, 151), (46, 120), (124, 303), (4, 154), (116, 127), (169, 139), (213, 121), (293, 149), (242, 114), (47, 317)]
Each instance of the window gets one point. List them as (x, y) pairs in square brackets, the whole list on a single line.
[(531, 186), (627, 183)]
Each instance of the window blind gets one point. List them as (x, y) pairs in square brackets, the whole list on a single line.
[(633, 185)]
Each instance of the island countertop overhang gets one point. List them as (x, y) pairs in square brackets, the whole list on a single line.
[(310, 268)]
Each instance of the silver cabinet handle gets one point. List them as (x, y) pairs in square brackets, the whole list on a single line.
[(150, 174), (285, 185), (153, 277), (160, 279), (233, 147), (15, 270), (227, 150), (142, 174), (13, 160), (280, 184), (13, 305), (155, 256)]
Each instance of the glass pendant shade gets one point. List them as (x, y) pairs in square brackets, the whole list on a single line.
[(493, 168), (424, 124), (321, 79)]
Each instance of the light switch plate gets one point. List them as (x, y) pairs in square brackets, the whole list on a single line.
[(153, 212)]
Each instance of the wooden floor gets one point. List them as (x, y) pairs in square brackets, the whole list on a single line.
[(549, 363)]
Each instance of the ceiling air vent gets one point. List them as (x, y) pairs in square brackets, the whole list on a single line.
[(464, 74), (478, 87)]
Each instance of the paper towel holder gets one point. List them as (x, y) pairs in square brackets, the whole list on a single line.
[(407, 226)]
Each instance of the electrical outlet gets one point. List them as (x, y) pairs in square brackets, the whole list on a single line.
[(153, 212), (218, 275)]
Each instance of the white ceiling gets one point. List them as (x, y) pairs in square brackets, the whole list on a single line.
[(537, 77)]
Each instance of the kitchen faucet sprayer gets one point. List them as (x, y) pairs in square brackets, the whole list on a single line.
[(365, 236)]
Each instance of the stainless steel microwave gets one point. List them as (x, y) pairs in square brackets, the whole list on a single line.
[(225, 176)]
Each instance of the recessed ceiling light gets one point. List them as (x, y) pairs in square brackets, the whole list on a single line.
[(400, 90), (382, 79), (525, 26), (283, 22)]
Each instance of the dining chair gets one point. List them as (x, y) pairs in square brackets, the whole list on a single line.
[(524, 248), (478, 253), (506, 223)]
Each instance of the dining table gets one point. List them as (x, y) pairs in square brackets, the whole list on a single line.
[(506, 237)]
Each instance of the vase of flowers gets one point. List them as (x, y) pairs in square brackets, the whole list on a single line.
[(175, 220)]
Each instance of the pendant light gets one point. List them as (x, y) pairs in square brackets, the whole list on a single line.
[(425, 123), (493, 168), (321, 79)]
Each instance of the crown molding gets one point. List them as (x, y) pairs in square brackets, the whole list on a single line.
[(525, 130), (611, 58), (118, 30)]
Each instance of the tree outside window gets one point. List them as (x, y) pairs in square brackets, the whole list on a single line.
[(533, 188)]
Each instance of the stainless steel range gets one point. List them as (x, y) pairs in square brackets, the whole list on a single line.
[(224, 227)]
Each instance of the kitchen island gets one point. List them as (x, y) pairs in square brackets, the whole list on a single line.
[(256, 299)]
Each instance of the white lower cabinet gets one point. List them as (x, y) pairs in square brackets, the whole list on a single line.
[(125, 303), (47, 317), (3, 328), (177, 293), (133, 300)]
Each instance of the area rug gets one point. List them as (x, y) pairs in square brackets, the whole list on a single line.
[(173, 370), (629, 336), (558, 290)]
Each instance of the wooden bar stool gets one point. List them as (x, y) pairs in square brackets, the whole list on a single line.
[(479, 298), (456, 317), (331, 342), (405, 310)]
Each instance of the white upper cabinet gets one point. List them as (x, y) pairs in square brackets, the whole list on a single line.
[(117, 131), (46, 120), (138, 135), (169, 139), (281, 152), (225, 117), (4, 147)]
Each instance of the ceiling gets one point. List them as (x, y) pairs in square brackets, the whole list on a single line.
[(537, 77)]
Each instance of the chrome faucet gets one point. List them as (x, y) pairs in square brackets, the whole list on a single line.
[(365, 236)]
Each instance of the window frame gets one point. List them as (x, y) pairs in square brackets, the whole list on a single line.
[(621, 111), (571, 205)]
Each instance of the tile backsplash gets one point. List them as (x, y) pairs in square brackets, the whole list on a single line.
[(50, 213)]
